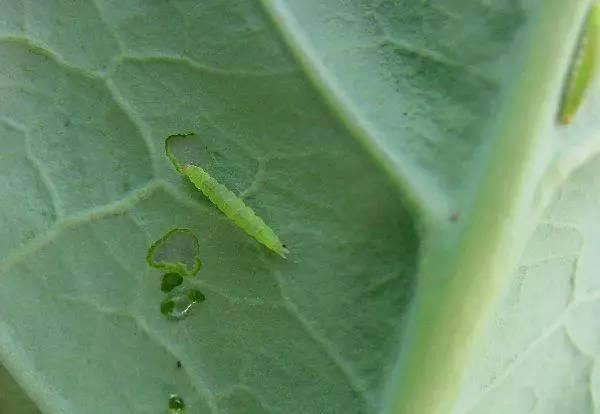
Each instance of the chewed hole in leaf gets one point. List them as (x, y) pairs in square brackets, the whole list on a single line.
[(170, 281), (195, 296), (176, 252), (178, 306), (181, 150), (176, 404), (167, 306)]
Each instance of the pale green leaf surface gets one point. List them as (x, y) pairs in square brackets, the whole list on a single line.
[(541, 346), (354, 130), (435, 69)]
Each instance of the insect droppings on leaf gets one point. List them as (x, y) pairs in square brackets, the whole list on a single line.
[(455, 216)]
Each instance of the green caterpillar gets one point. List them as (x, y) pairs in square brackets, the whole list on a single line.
[(234, 208), (231, 205), (583, 68)]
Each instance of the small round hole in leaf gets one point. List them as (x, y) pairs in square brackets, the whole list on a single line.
[(177, 252), (176, 404), (170, 281)]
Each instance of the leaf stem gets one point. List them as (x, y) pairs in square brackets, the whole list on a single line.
[(462, 274)]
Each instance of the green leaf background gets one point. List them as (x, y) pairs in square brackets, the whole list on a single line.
[(405, 151)]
